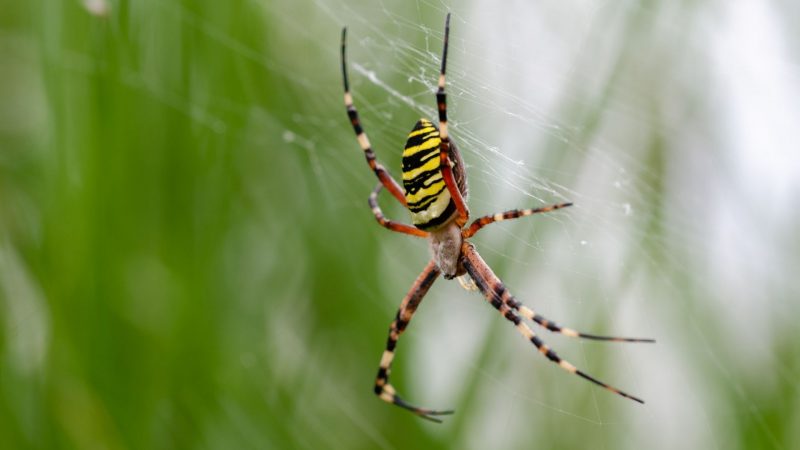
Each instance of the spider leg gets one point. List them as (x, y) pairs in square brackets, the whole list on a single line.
[(495, 292), (444, 148), (508, 215), (408, 306), (389, 224), (383, 175), (523, 310), (532, 315), (505, 296)]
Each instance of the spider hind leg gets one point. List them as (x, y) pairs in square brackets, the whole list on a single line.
[(499, 297), (387, 394), (383, 389)]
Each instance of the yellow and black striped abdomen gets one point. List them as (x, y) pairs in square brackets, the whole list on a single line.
[(426, 193)]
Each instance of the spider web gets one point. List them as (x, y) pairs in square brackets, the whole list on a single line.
[(672, 127), (670, 132)]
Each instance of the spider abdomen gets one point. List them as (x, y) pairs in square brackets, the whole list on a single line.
[(427, 197)]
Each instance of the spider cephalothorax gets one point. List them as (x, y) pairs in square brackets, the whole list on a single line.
[(435, 191)]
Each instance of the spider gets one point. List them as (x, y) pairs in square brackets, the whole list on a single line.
[(435, 192)]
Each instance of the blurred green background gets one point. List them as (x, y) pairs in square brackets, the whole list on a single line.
[(187, 259)]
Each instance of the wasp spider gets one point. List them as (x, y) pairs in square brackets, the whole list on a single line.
[(434, 191)]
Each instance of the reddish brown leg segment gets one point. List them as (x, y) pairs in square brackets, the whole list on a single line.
[(386, 223), (481, 222)]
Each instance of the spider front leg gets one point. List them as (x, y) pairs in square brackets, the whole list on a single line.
[(444, 148), (408, 306), (383, 175)]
